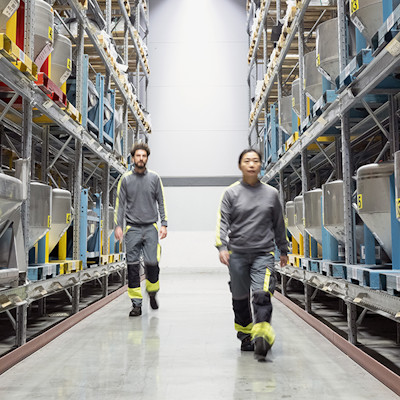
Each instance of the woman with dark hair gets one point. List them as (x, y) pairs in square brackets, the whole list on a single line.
[(250, 224)]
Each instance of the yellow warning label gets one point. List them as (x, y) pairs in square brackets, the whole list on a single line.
[(69, 64), (318, 61), (354, 6), (359, 201), (293, 101), (48, 221), (398, 208), (50, 33), (68, 218)]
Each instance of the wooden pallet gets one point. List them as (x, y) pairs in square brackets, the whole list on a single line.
[(42, 272), (17, 57), (73, 113), (294, 260), (291, 141), (53, 92), (69, 266)]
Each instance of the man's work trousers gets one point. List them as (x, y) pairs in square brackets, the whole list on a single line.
[(142, 240), (253, 271)]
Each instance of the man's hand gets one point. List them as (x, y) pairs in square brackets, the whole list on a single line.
[(118, 233), (224, 257), (284, 261), (163, 232)]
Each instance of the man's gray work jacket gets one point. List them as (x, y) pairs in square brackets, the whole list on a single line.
[(137, 198)]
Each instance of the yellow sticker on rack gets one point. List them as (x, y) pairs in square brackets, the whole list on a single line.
[(398, 208), (354, 6), (68, 218), (293, 101), (50, 34), (69, 64), (48, 221), (318, 61), (359, 201)]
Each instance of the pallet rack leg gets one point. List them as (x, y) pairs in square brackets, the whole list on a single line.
[(123, 277), (352, 322), (284, 279), (104, 281), (76, 295), (307, 297), (21, 321), (42, 306)]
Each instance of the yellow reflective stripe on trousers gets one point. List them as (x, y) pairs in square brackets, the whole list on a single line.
[(155, 226), (152, 287), (127, 228), (158, 252), (135, 293), (266, 280), (244, 329), (265, 330)]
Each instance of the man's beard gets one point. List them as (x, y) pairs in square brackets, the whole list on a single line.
[(141, 165)]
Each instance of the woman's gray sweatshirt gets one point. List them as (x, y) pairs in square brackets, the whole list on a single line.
[(250, 219)]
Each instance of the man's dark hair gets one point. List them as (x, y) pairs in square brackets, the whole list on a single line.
[(249, 151), (140, 146)]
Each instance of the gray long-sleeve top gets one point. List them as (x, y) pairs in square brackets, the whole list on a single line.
[(137, 199), (251, 216)]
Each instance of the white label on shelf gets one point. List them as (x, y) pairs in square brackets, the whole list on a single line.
[(65, 118), (47, 104), (322, 121), (49, 270), (325, 266), (358, 23), (21, 55), (11, 7), (398, 283), (393, 47), (65, 76), (347, 70), (390, 21), (354, 273)]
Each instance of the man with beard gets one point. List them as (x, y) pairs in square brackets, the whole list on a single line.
[(250, 224), (139, 193)]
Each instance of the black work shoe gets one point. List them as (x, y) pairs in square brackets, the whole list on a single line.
[(135, 312), (261, 348), (247, 344), (153, 301)]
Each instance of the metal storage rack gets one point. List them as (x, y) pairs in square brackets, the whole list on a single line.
[(361, 123), (55, 142)]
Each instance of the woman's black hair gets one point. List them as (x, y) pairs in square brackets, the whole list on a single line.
[(249, 151)]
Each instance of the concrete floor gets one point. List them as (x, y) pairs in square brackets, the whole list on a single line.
[(187, 350)]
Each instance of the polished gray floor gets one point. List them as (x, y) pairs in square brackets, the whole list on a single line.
[(186, 350)]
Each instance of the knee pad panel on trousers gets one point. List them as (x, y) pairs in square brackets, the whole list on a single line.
[(152, 272), (133, 275), (262, 306), (242, 312), (261, 298)]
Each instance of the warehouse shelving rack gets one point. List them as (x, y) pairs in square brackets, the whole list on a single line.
[(363, 126), (56, 144)]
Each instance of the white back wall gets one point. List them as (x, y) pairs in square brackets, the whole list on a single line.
[(199, 109), (192, 215)]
